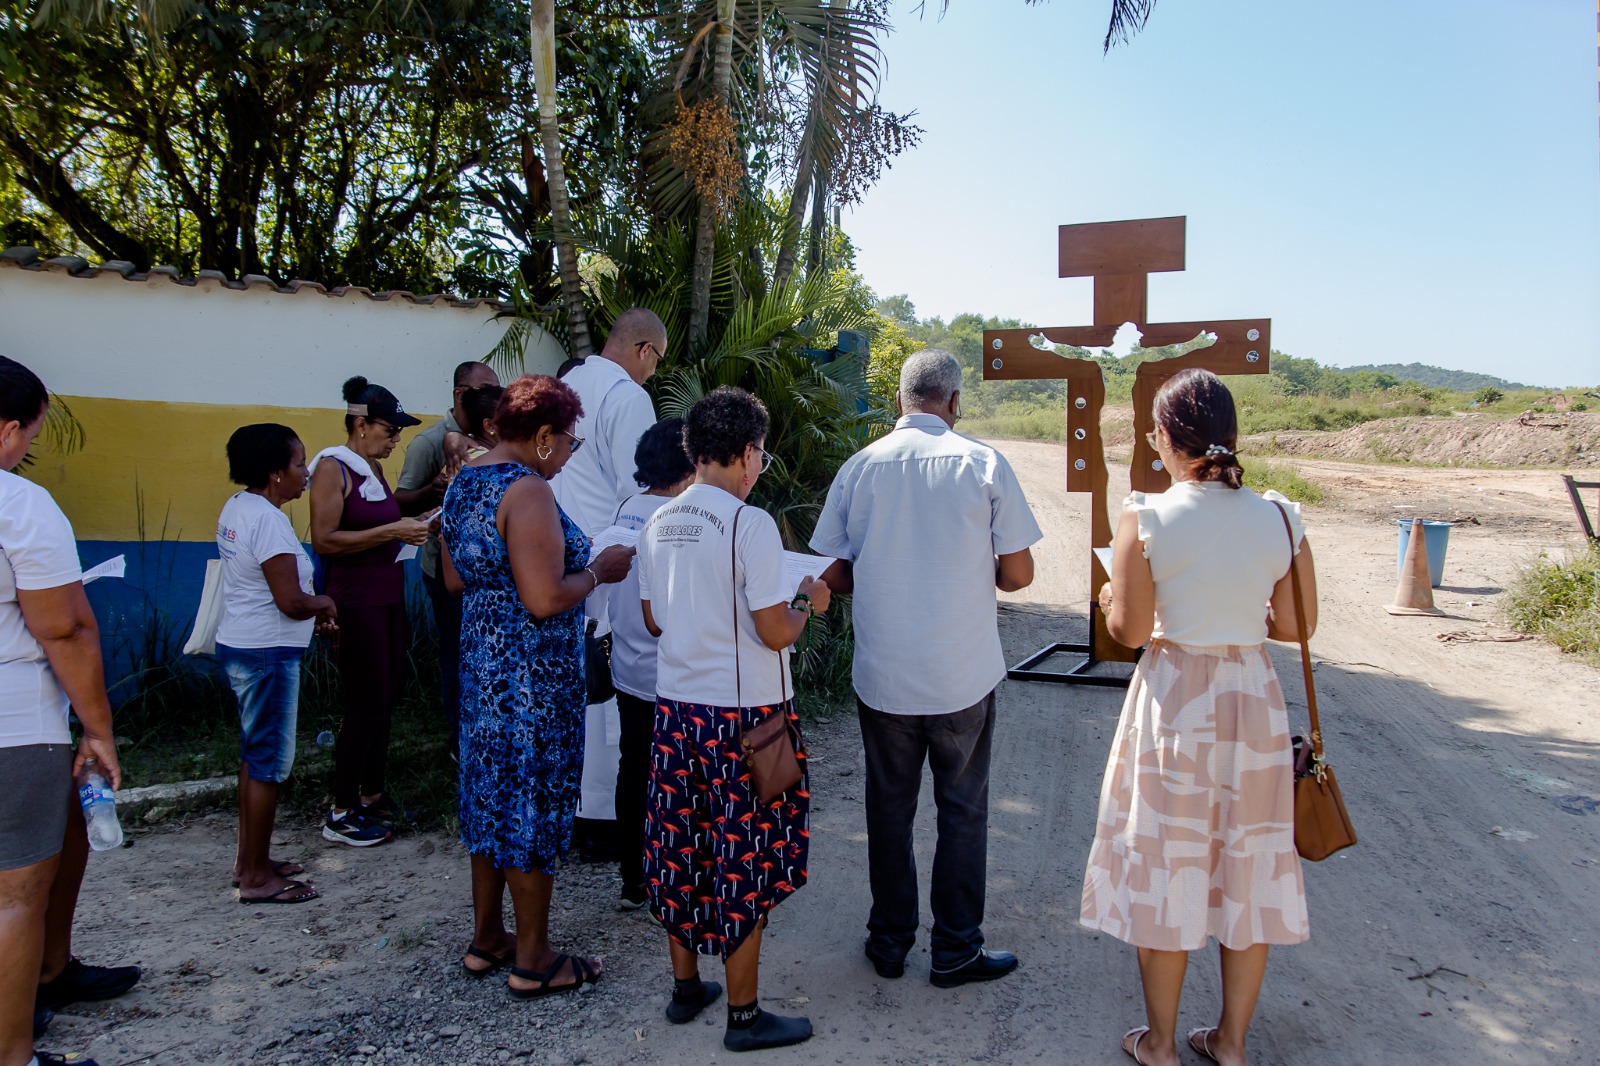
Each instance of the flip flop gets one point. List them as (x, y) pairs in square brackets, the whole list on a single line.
[(1138, 1035), (278, 896), (494, 961), (1200, 1041), (283, 868), (580, 970)]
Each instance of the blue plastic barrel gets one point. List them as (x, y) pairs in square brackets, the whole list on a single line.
[(1435, 537)]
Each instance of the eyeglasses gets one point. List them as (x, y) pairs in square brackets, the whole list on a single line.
[(393, 432), (577, 441), (642, 345), (766, 458), (1150, 439)]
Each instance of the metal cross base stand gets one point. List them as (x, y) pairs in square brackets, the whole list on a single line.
[(1079, 674), (1024, 671)]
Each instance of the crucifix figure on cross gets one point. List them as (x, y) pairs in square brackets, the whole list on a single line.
[(1120, 257)]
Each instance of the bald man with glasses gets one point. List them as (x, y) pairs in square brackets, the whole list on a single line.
[(596, 480)]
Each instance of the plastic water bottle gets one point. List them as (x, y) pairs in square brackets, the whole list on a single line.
[(99, 809)]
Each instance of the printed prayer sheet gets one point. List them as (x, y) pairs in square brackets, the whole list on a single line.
[(116, 566), (628, 538), (797, 566)]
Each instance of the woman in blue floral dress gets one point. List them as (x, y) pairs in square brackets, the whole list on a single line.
[(525, 570)]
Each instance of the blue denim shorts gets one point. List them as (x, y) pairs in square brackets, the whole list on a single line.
[(267, 682)]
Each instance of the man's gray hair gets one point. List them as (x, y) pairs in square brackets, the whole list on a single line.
[(929, 378)]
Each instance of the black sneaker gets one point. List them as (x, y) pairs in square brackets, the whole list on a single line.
[(353, 828), (770, 1030), (78, 983), (48, 1058), (385, 812), (633, 897), (682, 1012)]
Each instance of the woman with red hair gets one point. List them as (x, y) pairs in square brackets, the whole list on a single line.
[(524, 569)]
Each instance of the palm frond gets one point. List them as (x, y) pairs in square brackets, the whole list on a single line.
[(63, 433), (1128, 17)]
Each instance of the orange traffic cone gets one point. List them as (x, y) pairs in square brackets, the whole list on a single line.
[(1414, 594)]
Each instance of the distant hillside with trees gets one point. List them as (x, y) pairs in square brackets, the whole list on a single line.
[(1437, 377), (1298, 393)]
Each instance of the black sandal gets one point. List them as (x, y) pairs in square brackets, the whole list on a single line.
[(580, 970), (494, 961)]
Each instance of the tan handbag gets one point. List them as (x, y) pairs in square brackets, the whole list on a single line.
[(1321, 823), (769, 748)]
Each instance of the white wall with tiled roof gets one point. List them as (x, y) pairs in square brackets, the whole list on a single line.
[(154, 337)]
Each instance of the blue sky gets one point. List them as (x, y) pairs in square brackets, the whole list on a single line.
[(1390, 181)]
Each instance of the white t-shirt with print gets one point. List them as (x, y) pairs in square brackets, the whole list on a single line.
[(633, 649), (696, 592), (249, 532), (37, 551)]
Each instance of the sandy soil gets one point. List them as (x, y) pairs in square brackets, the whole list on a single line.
[(1461, 930), (1461, 439)]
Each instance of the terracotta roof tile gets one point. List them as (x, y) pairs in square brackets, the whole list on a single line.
[(22, 257)]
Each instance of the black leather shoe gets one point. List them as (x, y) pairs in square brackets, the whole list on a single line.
[(80, 983), (988, 966), (887, 965)]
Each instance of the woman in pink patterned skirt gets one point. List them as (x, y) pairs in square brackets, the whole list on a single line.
[(1195, 837)]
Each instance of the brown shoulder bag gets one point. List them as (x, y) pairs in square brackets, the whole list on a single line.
[(1321, 823), (769, 748)]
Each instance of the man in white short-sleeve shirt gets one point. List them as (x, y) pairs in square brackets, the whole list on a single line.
[(593, 484), (926, 525)]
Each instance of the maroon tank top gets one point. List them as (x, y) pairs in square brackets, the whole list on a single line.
[(371, 578)]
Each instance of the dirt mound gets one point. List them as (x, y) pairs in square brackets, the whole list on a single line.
[(1567, 440)]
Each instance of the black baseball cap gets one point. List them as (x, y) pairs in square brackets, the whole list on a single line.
[(378, 404)]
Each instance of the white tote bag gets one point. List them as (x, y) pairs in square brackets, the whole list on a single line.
[(203, 641)]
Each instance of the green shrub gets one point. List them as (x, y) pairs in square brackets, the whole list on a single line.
[(1560, 602), (1019, 420), (1488, 395), (1282, 477)]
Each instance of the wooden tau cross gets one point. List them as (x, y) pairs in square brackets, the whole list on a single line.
[(1120, 257)]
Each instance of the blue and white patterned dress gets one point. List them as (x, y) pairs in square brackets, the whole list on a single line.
[(522, 687)]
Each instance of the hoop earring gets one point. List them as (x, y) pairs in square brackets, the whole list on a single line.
[(544, 453)]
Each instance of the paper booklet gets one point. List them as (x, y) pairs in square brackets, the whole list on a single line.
[(1104, 555)]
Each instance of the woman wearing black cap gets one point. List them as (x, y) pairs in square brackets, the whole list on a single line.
[(357, 529)]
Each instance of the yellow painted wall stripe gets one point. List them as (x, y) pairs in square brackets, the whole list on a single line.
[(170, 456)]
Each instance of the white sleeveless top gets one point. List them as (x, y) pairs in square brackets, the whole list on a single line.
[(1215, 553)]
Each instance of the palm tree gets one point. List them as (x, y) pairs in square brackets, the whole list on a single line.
[(541, 31), (705, 223)]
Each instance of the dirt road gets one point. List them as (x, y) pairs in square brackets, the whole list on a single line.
[(1461, 930)]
